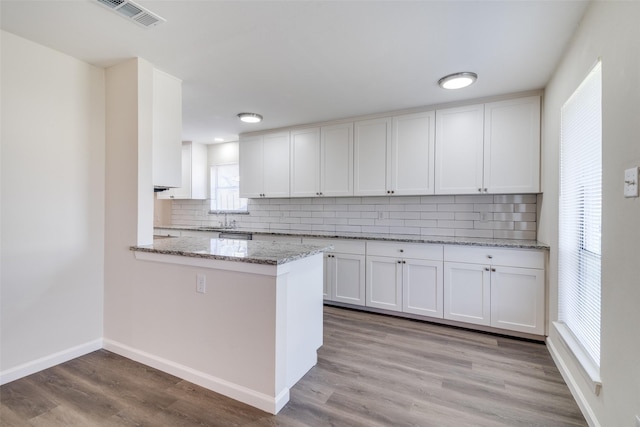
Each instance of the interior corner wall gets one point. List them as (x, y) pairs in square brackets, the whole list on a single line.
[(608, 31), (52, 221), (129, 187)]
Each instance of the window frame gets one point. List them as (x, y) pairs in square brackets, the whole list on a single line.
[(214, 196)]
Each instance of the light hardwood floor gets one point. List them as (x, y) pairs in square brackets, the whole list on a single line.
[(372, 370)]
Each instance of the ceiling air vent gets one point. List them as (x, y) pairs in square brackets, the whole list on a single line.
[(133, 11)]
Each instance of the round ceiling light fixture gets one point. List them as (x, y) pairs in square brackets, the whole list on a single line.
[(457, 80), (250, 117)]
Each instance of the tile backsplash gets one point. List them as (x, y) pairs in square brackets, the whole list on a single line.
[(489, 216)]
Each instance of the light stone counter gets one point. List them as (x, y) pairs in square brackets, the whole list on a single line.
[(249, 251), (444, 240)]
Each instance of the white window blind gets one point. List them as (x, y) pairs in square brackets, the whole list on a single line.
[(580, 213)]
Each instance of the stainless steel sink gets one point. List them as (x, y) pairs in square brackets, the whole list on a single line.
[(235, 235)]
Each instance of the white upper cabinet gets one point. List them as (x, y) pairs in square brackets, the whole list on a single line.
[(372, 146), (512, 146), (395, 156), (459, 149), (251, 166), (489, 148), (412, 154), (322, 161), (167, 129), (336, 160), (194, 174), (305, 162), (264, 165)]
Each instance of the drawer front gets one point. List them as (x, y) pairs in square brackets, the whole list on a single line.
[(526, 258), (342, 246), (405, 250)]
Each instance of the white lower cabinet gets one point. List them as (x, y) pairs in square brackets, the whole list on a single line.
[(501, 288), (345, 275), (422, 286), (344, 270), (517, 299), (467, 295), (493, 287), (384, 283), (405, 277)]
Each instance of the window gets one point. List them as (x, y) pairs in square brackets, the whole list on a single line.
[(225, 189), (579, 253)]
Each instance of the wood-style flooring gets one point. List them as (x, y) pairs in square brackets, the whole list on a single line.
[(372, 370)]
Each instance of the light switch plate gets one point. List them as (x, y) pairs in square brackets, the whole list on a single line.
[(631, 182)]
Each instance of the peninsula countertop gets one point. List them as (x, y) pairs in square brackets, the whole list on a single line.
[(410, 238), (249, 251)]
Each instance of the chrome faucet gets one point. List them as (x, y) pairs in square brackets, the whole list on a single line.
[(226, 223)]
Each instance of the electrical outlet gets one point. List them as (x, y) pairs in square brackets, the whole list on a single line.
[(631, 182), (383, 215), (201, 283)]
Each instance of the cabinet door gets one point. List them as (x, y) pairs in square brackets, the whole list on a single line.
[(199, 172), (305, 162), (167, 129), (512, 146), (371, 156), (422, 286), (250, 165), (467, 293), (336, 160), (184, 190), (348, 278), (412, 154), (384, 283), (276, 165), (194, 173), (459, 150), (517, 299)]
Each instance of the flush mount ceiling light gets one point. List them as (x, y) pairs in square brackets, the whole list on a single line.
[(457, 80), (250, 117)]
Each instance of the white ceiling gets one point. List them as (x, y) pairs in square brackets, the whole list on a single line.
[(299, 62)]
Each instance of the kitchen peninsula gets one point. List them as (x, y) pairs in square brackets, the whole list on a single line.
[(242, 318)]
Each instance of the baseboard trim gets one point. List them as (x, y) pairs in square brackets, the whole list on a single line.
[(49, 361), (584, 406), (251, 397)]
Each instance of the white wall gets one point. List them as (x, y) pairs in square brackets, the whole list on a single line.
[(129, 215), (52, 206), (609, 30)]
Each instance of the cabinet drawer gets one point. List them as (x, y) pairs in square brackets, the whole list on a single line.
[(527, 258), (405, 250), (355, 247)]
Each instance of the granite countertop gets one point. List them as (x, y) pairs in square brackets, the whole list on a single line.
[(255, 252), (445, 240)]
